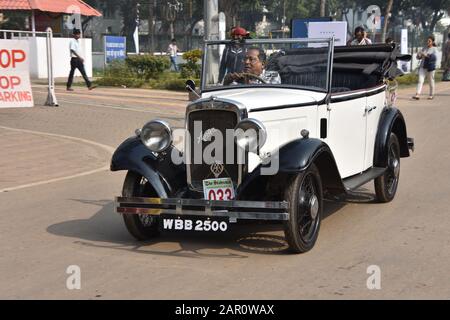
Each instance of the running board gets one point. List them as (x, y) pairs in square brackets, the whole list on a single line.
[(357, 181)]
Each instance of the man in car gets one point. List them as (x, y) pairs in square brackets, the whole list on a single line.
[(254, 70)]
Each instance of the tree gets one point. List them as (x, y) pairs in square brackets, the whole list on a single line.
[(386, 19), (322, 7)]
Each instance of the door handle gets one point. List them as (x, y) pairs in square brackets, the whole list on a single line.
[(370, 109)]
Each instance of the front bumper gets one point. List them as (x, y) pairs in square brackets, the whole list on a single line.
[(411, 144), (234, 209)]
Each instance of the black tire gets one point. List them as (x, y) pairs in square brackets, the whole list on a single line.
[(304, 193), (386, 185), (142, 227)]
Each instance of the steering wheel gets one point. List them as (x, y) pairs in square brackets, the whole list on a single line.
[(244, 76), (254, 76)]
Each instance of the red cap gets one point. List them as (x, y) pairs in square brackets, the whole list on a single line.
[(238, 31)]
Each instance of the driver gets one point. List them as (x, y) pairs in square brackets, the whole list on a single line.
[(254, 71)]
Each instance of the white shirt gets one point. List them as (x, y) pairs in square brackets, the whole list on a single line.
[(272, 77), (269, 77), (364, 42), (425, 51), (74, 45), (172, 50)]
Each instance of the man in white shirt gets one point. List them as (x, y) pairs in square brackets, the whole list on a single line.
[(360, 38), (254, 71), (172, 50), (77, 61)]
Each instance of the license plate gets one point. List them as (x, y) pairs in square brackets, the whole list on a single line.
[(218, 189), (174, 223)]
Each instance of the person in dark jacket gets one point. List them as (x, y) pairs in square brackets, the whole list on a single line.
[(234, 54)]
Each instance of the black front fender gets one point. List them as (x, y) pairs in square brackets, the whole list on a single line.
[(293, 158), (162, 174)]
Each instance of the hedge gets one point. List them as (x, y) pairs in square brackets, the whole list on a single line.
[(147, 66)]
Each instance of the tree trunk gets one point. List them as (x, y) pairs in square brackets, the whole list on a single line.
[(172, 32), (151, 32), (322, 7), (386, 20), (437, 15)]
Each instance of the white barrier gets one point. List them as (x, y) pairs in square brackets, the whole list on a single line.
[(61, 57), (33, 56)]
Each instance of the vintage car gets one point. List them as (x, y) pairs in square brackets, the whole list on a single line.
[(313, 123)]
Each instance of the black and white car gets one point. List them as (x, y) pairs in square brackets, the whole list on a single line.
[(269, 150)]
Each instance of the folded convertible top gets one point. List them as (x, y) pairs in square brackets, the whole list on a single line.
[(373, 60)]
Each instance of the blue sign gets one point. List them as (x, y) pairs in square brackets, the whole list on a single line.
[(299, 27), (115, 48)]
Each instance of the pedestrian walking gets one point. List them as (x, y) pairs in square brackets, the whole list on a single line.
[(172, 50), (427, 67), (446, 60), (360, 38), (234, 54), (77, 61)]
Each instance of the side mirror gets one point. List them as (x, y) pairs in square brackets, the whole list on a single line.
[(190, 85)]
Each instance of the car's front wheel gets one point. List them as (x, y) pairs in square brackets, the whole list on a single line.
[(141, 226), (386, 185), (304, 193)]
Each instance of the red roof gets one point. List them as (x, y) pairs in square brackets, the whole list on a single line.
[(60, 6)]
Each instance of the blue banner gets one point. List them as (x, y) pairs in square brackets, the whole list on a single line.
[(115, 48)]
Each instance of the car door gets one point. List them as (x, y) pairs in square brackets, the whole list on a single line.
[(347, 131), (375, 105)]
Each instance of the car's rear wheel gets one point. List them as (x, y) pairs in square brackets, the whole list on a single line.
[(304, 193), (140, 226), (386, 185)]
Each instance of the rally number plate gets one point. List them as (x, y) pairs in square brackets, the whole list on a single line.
[(218, 189)]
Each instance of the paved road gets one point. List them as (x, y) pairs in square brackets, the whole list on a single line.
[(57, 210)]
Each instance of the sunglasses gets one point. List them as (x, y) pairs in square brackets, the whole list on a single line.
[(252, 60)]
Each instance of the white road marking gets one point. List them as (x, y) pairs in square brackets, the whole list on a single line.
[(106, 106), (119, 108), (107, 148)]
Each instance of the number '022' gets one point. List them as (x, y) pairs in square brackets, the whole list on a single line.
[(220, 194)]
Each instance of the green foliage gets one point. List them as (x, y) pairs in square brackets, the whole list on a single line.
[(193, 56), (413, 77), (177, 84), (147, 66), (408, 79), (192, 68), (118, 74)]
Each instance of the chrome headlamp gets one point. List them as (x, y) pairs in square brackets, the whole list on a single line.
[(156, 135), (250, 135)]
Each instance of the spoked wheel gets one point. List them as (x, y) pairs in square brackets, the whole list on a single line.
[(141, 226), (386, 185), (306, 201)]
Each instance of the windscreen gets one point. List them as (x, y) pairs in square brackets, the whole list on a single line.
[(278, 63)]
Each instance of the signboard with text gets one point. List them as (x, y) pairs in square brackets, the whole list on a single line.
[(15, 85), (338, 29), (115, 48), (299, 27)]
